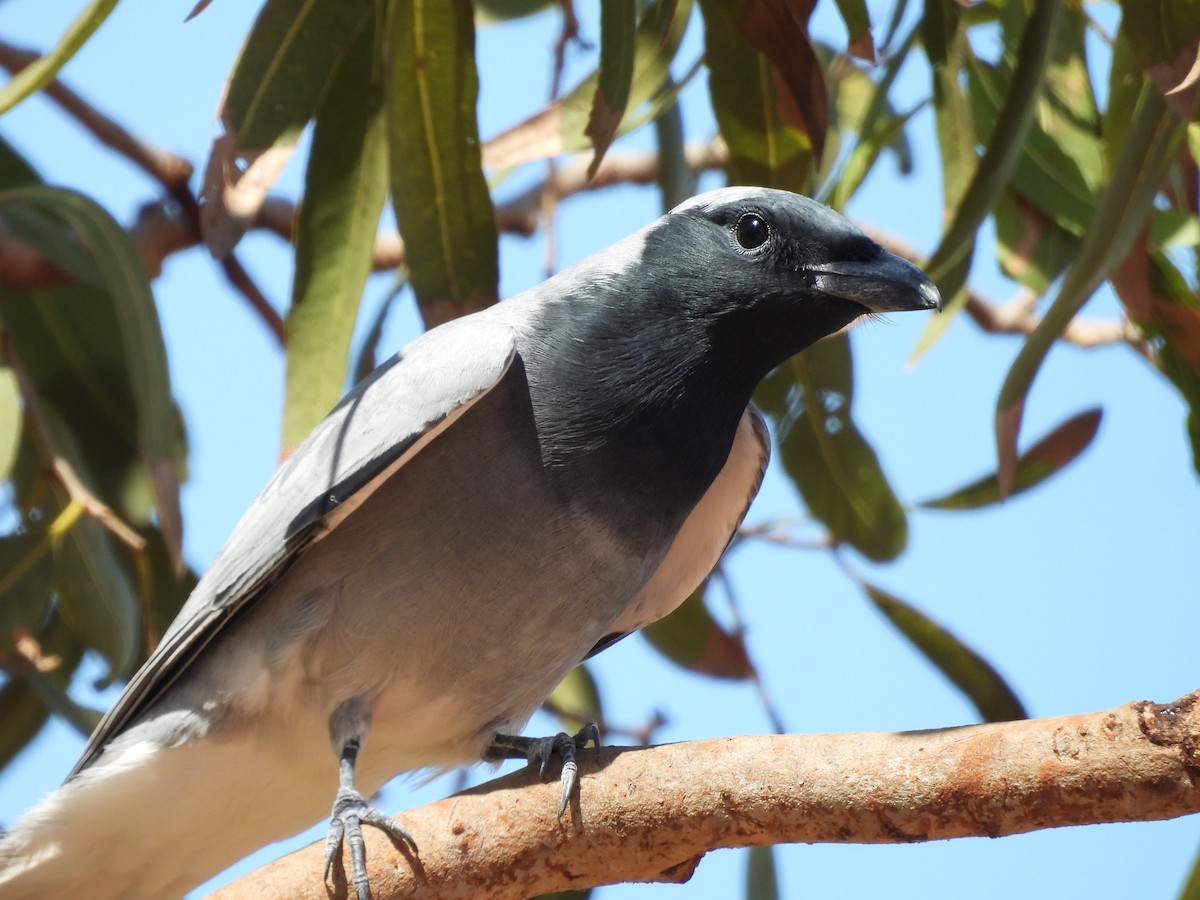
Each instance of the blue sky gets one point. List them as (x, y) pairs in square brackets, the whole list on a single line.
[(1079, 592)]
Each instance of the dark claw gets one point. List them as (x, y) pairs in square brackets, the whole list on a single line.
[(540, 750), (350, 813)]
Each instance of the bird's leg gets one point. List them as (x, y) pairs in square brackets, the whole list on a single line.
[(350, 810), (539, 750)]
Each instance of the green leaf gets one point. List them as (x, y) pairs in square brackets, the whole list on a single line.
[(1159, 31), (69, 341), (11, 421), (55, 698), (576, 699), (561, 127), (946, 47), (26, 599), (1171, 228), (44, 231), (366, 358), (1049, 455), (345, 188), (1126, 83), (691, 638), (1191, 887), (96, 597), (778, 29), (21, 708), (119, 270), (1154, 140), (825, 455), (163, 589), (767, 141), (966, 669), (1032, 248), (1171, 320), (37, 75), (994, 169), (23, 715), (15, 170), (286, 65), (762, 882), (861, 106), (1061, 168), (489, 12), (676, 181), (438, 189), (618, 31)]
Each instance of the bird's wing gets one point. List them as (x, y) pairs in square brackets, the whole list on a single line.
[(380, 425), (705, 533)]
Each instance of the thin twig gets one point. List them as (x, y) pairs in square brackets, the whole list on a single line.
[(168, 169), (171, 171), (1019, 315), (774, 716), (241, 280)]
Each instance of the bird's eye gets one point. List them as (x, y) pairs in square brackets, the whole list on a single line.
[(751, 231)]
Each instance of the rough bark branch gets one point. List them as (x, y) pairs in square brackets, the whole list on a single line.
[(651, 814)]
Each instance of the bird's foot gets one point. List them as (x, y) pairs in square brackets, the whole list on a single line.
[(540, 750), (350, 813)]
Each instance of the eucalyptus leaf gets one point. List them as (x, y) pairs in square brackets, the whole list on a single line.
[(824, 454), (286, 65), (767, 144), (691, 638), (1050, 455), (1003, 150), (120, 272), (38, 74), (26, 594), (762, 881), (618, 32), (438, 189), (345, 188), (11, 421), (966, 669), (576, 699), (1154, 139), (22, 708)]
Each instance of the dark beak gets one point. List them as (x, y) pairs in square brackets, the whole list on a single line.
[(886, 284)]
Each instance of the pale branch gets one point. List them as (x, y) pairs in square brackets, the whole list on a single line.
[(651, 814)]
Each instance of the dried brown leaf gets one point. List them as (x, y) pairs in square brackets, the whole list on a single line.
[(236, 182)]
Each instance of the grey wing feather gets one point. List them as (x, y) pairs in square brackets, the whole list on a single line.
[(387, 418)]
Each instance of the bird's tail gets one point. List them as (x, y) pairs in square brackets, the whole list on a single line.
[(150, 822)]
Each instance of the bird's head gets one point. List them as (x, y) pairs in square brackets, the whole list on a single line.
[(773, 271)]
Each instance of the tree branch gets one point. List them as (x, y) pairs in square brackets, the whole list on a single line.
[(177, 229), (651, 814), (1019, 315), (160, 232)]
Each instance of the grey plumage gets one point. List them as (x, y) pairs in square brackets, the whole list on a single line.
[(509, 492)]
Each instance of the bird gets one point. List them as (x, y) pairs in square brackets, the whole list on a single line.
[(509, 494)]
